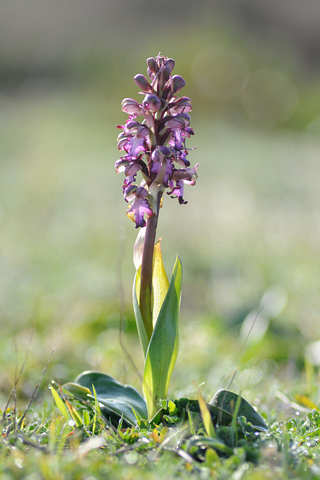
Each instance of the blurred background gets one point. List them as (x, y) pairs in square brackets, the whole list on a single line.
[(249, 238)]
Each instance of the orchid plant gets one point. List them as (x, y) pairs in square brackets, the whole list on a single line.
[(153, 142)]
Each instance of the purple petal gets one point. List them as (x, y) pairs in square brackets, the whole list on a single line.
[(187, 132), (137, 146), (132, 168), (170, 63), (121, 164), (127, 188), (181, 105), (130, 124), (143, 83), (177, 191), (178, 83), (178, 139), (151, 103), (182, 158), (155, 168), (187, 175), (175, 123), (131, 106), (122, 141), (139, 208)]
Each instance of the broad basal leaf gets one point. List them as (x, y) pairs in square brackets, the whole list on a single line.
[(115, 400), (228, 400)]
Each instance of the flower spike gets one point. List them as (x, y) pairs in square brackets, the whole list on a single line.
[(153, 140)]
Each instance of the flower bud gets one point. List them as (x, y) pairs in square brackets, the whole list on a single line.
[(151, 64), (130, 106), (170, 63), (152, 103), (143, 83), (178, 83), (164, 77)]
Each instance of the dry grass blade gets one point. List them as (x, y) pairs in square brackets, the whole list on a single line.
[(17, 378), (39, 381)]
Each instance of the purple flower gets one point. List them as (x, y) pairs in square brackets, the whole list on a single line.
[(139, 207), (153, 141), (182, 176)]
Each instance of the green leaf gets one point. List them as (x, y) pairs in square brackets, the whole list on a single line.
[(136, 308), (163, 347), (160, 283), (189, 409), (76, 391), (206, 416), (218, 415), (214, 443), (97, 410), (75, 415), (60, 403), (229, 402), (86, 419), (116, 401), (160, 287)]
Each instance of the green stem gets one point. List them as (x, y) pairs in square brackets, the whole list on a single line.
[(146, 272)]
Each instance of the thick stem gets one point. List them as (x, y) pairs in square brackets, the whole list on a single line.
[(146, 274)]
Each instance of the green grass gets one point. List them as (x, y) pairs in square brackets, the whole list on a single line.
[(249, 241), (47, 445)]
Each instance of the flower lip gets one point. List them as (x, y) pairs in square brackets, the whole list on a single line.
[(177, 191)]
